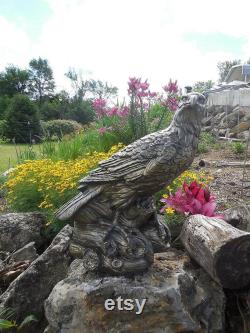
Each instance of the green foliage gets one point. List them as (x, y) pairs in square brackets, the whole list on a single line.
[(4, 103), (224, 67), (2, 128), (206, 142), (60, 127), (202, 86), (13, 81), (158, 117), (26, 153), (50, 110), (174, 219), (7, 320), (80, 111), (238, 147), (22, 123), (41, 83)]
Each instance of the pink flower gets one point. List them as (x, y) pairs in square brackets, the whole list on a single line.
[(171, 87), (144, 86), (99, 106), (192, 199), (124, 111), (133, 84), (171, 103), (137, 87), (113, 111), (102, 130), (142, 94), (152, 94)]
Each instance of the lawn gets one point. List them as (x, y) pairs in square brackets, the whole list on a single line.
[(8, 154)]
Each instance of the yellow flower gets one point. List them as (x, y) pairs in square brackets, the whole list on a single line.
[(170, 210)]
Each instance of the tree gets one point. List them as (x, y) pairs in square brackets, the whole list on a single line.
[(201, 86), (95, 88), (42, 83), (79, 85), (224, 67), (58, 107), (81, 111), (22, 123), (4, 103), (101, 89), (13, 81)]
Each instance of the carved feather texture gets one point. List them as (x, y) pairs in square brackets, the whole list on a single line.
[(143, 167)]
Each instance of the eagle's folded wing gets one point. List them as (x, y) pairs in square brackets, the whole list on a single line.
[(130, 163)]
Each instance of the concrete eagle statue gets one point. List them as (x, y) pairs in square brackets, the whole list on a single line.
[(116, 228)]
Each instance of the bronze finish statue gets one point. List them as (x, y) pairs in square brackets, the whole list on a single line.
[(116, 229)]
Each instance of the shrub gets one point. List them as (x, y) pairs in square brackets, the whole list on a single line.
[(206, 142), (46, 184), (22, 123), (238, 147), (60, 127)]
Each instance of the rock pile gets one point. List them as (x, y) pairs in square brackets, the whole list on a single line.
[(180, 295), (227, 121)]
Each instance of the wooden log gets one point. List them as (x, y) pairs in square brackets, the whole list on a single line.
[(231, 164), (231, 139), (222, 250)]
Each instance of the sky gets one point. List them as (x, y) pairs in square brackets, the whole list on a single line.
[(113, 40)]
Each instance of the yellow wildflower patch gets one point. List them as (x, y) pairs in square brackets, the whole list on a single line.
[(46, 184)]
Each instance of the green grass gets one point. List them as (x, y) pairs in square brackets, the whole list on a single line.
[(8, 154)]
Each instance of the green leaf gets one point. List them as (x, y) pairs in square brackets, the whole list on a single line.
[(26, 321), (5, 324)]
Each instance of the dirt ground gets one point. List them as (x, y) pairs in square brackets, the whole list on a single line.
[(227, 183)]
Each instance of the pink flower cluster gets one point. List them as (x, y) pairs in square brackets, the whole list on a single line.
[(99, 106), (102, 110), (171, 87), (140, 89), (172, 90), (192, 199)]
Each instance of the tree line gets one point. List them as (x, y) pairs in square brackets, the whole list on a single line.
[(28, 96)]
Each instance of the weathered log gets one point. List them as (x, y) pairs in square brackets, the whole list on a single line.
[(231, 139), (231, 164), (222, 250)]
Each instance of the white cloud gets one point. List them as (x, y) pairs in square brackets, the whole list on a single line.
[(15, 46), (117, 39)]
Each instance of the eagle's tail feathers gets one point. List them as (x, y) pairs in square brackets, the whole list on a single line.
[(71, 207)]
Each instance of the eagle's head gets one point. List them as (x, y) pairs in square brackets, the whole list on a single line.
[(190, 113), (193, 100), (191, 108)]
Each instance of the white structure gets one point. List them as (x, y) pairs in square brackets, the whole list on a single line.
[(230, 97), (238, 73)]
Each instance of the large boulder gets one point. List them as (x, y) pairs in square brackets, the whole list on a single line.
[(19, 229), (27, 252), (178, 298), (26, 294)]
